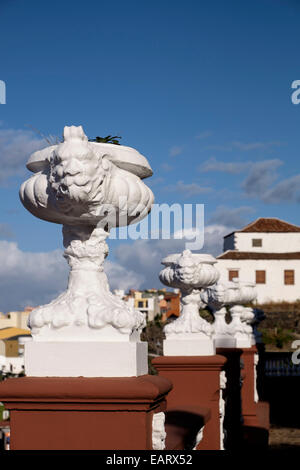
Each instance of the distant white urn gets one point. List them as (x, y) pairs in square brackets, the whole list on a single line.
[(247, 291), (217, 297), (189, 272), (89, 188), (242, 315)]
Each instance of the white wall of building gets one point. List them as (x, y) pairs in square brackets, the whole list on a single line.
[(13, 365), (274, 289), (152, 309), (271, 242), (14, 319)]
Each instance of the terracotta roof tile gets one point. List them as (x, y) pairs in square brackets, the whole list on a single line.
[(11, 331), (232, 254), (270, 224)]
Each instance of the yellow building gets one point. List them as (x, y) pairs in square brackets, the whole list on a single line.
[(12, 349), (9, 341), (146, 302), (15, 319)]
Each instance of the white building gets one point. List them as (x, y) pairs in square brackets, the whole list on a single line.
[(15, 319), (266, 252), (147, 302), (12, 342)]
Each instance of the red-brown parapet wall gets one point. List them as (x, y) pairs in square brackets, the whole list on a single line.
[(53, 413), (196, 383)]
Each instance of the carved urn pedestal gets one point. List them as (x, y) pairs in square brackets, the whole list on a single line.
[(86, 384), (190, 361), (190, 334)]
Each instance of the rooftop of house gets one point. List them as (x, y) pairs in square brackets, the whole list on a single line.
[(268, 225), (233, 254), (11, 332)]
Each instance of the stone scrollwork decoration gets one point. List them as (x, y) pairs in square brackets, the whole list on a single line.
[(256, 360), (223, 381), (198, 438), (158, 431), (235, 294), (189, 272), (89, 188)]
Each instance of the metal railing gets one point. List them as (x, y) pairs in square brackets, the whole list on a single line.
[(279, 364)]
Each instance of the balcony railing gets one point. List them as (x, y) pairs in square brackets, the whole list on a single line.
[(279, 364)]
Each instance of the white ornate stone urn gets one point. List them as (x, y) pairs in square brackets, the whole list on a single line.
[(89, 188), (242, 315), (190, 334), (217, 297)]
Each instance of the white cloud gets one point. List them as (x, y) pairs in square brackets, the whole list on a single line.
[(245, 146), (28, 278), (155, 181), (175, 150), (187, 189), (6, 231), (287, 190), (188, 233), (15, 147), (260, 181), (213, 237), (212, 164), (120, 277), (261, 175), (255, 145), (231, 217), (166, 167), (203, 135), (143, 257)]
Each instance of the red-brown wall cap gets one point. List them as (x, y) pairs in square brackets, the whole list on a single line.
[(83, 389), (229, 351), (249, 351), (189, 362)]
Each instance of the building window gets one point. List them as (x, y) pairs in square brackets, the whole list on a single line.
[(260, 277), (232, 274), (289, 276), (256, 242), (140, 304)]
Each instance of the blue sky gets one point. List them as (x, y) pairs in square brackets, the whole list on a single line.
[(201, 88)]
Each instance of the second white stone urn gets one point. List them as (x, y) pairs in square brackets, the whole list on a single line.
[(190, 334), (89, 188), (241, 315), (217, 297)]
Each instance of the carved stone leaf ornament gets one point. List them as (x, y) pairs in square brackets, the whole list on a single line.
[(158, 431)]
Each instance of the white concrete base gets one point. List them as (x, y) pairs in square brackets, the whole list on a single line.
[(189, 347), (225, 342), (243, 343), (86, 359)]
